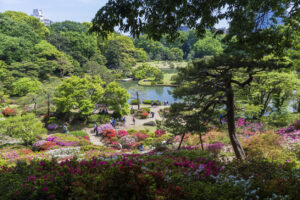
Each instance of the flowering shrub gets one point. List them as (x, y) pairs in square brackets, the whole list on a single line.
[(104, 127), (47, 145), (122, 133), (144, 115), (249, 128), (290, 133), (216, 147), (141, 136), (86, 137), (52, 126), (126, 141), (38, 144), (109, 133), (9, 112), (159, 132)]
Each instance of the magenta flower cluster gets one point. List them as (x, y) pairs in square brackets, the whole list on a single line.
[(290, 133)]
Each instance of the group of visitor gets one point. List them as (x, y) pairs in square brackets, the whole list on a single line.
[(166, 103)]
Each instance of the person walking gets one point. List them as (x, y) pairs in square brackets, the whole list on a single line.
[(152, 114), (152, 103), (65, 128), (133, 120), (95, 128)]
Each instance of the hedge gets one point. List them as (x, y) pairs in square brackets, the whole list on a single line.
[(134, 102), (150, 101)]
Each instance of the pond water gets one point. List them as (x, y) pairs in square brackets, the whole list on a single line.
[(161, 93)]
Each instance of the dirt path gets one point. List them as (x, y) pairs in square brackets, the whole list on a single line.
[(140, 122), (96, 140)]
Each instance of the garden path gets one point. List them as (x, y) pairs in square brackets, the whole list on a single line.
[(140, 122), (93, 138)]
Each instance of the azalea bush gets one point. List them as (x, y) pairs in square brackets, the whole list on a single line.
[(52, 126), (140, 136), (249, 128), (122, 133), (9, 112), (160, 132), (104, 127), (109, 133)]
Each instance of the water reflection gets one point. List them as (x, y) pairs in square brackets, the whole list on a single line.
[(161, 93)]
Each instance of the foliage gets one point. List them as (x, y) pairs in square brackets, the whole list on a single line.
[(146, 109), (134, 102), (207, 46), (147, 71), (78, 133), (116, 98), (35, 23), (25, 85), (149, 102), (78, 93), (25, 127)]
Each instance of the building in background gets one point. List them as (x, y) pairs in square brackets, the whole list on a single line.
[(39, 14)]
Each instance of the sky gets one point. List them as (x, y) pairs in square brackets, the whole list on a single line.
[(61, 10)]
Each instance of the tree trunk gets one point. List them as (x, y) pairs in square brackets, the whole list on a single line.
[(237, 147), (200, 134), (298, 106), (138, 99), (182, 137)]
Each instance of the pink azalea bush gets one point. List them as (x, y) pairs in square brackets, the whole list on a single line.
[(122, 133)]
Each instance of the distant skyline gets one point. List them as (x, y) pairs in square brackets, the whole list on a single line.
[(61, 10)]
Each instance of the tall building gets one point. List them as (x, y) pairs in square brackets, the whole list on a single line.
[(39, 14)]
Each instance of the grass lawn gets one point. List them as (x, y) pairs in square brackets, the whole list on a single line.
[(164, 64)]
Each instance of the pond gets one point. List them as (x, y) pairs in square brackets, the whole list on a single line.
[(161, 93)]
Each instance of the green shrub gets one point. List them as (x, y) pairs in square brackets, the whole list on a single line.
[(280, 120), (130, 131), (78, 133), (146, 109), (150, 101), (116, 115), (93, 118), (93, 147), (134, 102)]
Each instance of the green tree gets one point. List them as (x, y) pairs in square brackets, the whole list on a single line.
[(119, 51), (141, 55), (24, 69), (46, 50), (93, 68), (147, 71), (78, 94), (207, 46), (25, 127), (175, 54), (116, 98), (25, 85), (13, 28), (37, 26), (276, 87), (13, 49), (64, 66)]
